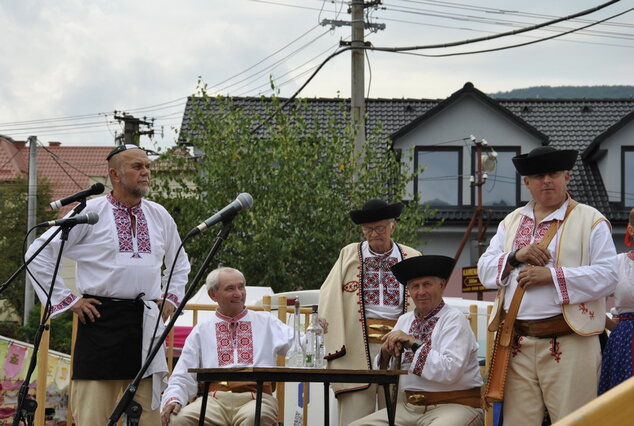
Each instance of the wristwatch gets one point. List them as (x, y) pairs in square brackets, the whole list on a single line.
[(513, 260)]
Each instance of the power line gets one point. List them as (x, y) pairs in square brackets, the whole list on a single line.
[(433, 46), (425, 24), (513, 45), (265, 58), (275, 64)]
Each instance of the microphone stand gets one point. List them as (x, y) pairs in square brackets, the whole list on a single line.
[(26, 407), (76, 211), (128, 394)]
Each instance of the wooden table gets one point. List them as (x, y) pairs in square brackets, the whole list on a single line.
[(282, 374)]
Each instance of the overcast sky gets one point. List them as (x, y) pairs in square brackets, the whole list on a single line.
[(68, 64)]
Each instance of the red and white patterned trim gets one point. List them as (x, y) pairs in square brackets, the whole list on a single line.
[(501, 266), (173, 399), (125, 232), (173, 298), (422, 329), (238, 341), (560, 277), (68, 300), (379, 281)]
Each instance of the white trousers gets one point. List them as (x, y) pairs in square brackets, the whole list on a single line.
[(559, 374), (436, 415), (228, 409)]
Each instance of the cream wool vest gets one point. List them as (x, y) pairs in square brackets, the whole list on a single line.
[(572, 250)]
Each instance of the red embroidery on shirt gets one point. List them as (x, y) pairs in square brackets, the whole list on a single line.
[(173, 298), (123, 222), (501, 264), (224, 343), (378, 276), (243, 343), (563, 287), (421, 329), (61, 305), (630, 254), (526, 232), (244, 340)]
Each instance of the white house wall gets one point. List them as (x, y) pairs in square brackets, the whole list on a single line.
[(610, 164), (468, 116)]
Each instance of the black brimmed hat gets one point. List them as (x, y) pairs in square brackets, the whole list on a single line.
[(545, 159), (375, 210), (423, 266)]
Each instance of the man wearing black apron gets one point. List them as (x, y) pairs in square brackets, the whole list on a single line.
[(119, 261)]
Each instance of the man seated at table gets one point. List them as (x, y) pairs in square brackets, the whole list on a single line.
[(233, 337), (439, 351)]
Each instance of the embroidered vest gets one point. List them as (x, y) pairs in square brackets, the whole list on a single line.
[(572, 250)]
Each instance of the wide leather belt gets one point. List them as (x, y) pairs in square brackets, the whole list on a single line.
[(469, 397), (548, 327), (378, 328), (237, 387)]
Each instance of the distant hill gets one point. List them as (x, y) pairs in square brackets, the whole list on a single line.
[(567, 92)]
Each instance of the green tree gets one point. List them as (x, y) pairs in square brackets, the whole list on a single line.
[(13, 227), (304, 178)]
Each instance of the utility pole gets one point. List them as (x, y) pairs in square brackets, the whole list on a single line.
[(357, 87), (29, 294), (132, 129), (477, 181), (357, 95)]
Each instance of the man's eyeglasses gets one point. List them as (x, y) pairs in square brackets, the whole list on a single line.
[(368, 229)]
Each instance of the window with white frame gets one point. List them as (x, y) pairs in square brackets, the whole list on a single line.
[(439, 184), (627, 175)]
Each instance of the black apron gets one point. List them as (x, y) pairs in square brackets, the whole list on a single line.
[(110, 347)]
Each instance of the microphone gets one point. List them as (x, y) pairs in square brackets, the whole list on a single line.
[(244, 201), (89, 218), (96, 189)]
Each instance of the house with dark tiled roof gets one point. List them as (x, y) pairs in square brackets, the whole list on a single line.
[(439, 133)]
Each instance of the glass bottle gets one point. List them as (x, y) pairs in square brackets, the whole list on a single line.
[(296, 355), (315, 342)]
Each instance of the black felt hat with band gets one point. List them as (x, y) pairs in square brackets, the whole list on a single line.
[(423, 266), (545, 159), (375, 210)]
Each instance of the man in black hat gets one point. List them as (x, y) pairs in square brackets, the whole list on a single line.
[(361, 300), (123, 263), (438, 349), (562, 254)]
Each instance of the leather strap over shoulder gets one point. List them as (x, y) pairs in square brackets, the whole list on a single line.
[(511, 315)]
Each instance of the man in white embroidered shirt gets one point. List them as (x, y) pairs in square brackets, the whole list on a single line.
[(562, 254), (233, 337), (438, 349), (119, 263), (361, 300)]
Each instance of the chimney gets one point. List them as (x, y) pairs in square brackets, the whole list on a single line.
[(54, 143)]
